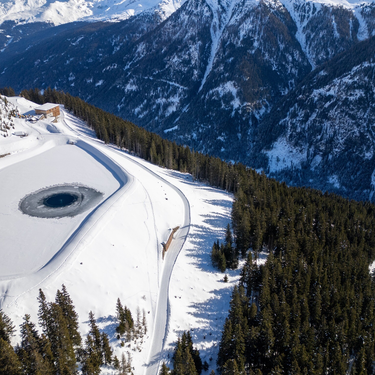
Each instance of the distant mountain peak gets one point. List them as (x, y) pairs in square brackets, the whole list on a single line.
[(65, 11)]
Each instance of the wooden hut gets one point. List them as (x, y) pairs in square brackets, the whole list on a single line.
[(48, 109)]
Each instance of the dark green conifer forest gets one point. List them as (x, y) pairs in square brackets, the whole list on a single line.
[(308, 310)]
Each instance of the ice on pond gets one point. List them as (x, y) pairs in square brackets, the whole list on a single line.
[(60, 201)]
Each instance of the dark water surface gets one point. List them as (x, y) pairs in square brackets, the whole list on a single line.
[(60, 201)]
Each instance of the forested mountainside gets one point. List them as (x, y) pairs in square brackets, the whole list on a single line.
[(207, 76), (309, 309)]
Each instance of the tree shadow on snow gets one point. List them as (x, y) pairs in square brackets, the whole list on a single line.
[(202, 237), (211, 313), (107, 325)]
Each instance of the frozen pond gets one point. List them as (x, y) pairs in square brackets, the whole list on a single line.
[(32, 232), (60, 201)]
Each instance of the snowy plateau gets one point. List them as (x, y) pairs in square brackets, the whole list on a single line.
[(114, 249)]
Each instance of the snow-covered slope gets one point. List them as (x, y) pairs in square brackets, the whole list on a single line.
[(113, 251), (326, 27), (60, 12)]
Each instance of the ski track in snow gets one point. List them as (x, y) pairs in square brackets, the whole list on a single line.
[(161, 324)]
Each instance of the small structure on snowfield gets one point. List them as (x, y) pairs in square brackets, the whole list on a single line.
[(166, 245), (48, 109), (20, 134)]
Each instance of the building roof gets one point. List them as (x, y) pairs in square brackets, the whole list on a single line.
[(46, 106)]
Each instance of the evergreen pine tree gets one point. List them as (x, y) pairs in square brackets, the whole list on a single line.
[(44, 314), (71, 317), (106, 349), (93, 351), (9, 362), (186, 359), (61, 344), (6, 327), (116, 363), (55, 327), (230, 368), (189, 364), (164, 370), (30, 351), (91, 360), (119, 310)]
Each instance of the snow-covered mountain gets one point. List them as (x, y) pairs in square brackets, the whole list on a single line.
[(61, 12), (323, 133), (20, 19), (206, 76), (325, 28)]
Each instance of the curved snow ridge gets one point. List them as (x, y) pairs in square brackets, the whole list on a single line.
[(79, 239)]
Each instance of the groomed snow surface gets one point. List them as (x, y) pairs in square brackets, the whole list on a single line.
[(112, 250)]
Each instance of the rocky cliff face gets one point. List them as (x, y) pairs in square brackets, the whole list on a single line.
[(212, 75), (323, 133)]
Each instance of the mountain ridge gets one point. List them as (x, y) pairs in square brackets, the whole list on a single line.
[(207, 76)]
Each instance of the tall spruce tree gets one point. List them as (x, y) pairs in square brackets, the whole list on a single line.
[(9, 362), (33, 351), (164, 370), (97, 350), (186, 358), (6, 327), (61, 343), (71, 317)]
